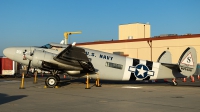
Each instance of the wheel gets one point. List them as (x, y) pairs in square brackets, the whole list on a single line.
[(51, 81)]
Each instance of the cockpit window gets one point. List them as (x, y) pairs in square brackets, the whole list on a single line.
[(47, 46)]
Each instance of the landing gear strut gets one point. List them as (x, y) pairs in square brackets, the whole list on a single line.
[(174, 82)]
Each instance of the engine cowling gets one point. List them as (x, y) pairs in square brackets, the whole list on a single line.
[(43, 59), (39, 56), (73, 72), (76, 73)]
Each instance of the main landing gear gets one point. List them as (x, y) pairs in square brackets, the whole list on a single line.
[(52, 81), (174, 82)]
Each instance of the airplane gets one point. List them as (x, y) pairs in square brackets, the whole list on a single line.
[(78, 61)]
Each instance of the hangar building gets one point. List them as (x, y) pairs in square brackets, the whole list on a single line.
[(135, 42)]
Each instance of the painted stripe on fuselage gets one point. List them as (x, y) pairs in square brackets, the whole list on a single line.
[(135, 62), (155, 68), (127, 73), (149, 64), (144, 62)]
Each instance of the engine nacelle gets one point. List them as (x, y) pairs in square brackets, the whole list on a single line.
[(43, 59), (40, 56), (73, 72), (76, 73)]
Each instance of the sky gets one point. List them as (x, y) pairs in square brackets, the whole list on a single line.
[(37, 22)]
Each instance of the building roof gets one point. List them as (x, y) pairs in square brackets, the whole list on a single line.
[(143, 39), (135, 23)]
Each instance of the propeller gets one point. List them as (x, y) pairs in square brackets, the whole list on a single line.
[(25, 57)]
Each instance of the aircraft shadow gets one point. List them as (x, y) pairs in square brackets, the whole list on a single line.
[(64, 83), (147, 83), (189, 85), (82, 80), (6, 98)]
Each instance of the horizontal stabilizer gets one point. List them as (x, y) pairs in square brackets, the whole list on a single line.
[(169, 65)]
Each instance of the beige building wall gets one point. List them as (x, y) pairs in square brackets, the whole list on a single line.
[(134, 31), (176, 47), (141, 49)]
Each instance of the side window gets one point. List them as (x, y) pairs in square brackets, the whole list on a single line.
[(114, 65)]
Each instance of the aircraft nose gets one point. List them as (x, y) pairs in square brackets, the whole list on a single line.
[(9, 52)]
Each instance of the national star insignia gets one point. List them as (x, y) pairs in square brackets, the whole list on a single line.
[(141, 71)]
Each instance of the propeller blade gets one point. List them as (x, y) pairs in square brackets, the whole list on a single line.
[(34, 70), (29, 64)]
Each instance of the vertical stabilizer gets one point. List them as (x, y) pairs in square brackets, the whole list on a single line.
[(165, 57), (188, 62)]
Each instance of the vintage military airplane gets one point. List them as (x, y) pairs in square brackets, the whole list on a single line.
[(78, 61)]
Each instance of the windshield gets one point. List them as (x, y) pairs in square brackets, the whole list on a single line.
[(47, 46)]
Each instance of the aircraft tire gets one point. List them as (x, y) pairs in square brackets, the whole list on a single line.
[(51, 81)]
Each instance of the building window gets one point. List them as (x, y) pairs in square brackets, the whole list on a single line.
[(114, 65)]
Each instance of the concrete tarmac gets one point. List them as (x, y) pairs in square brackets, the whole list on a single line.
[(111, 97)]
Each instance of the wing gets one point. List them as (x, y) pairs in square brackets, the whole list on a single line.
[(75, 56)]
